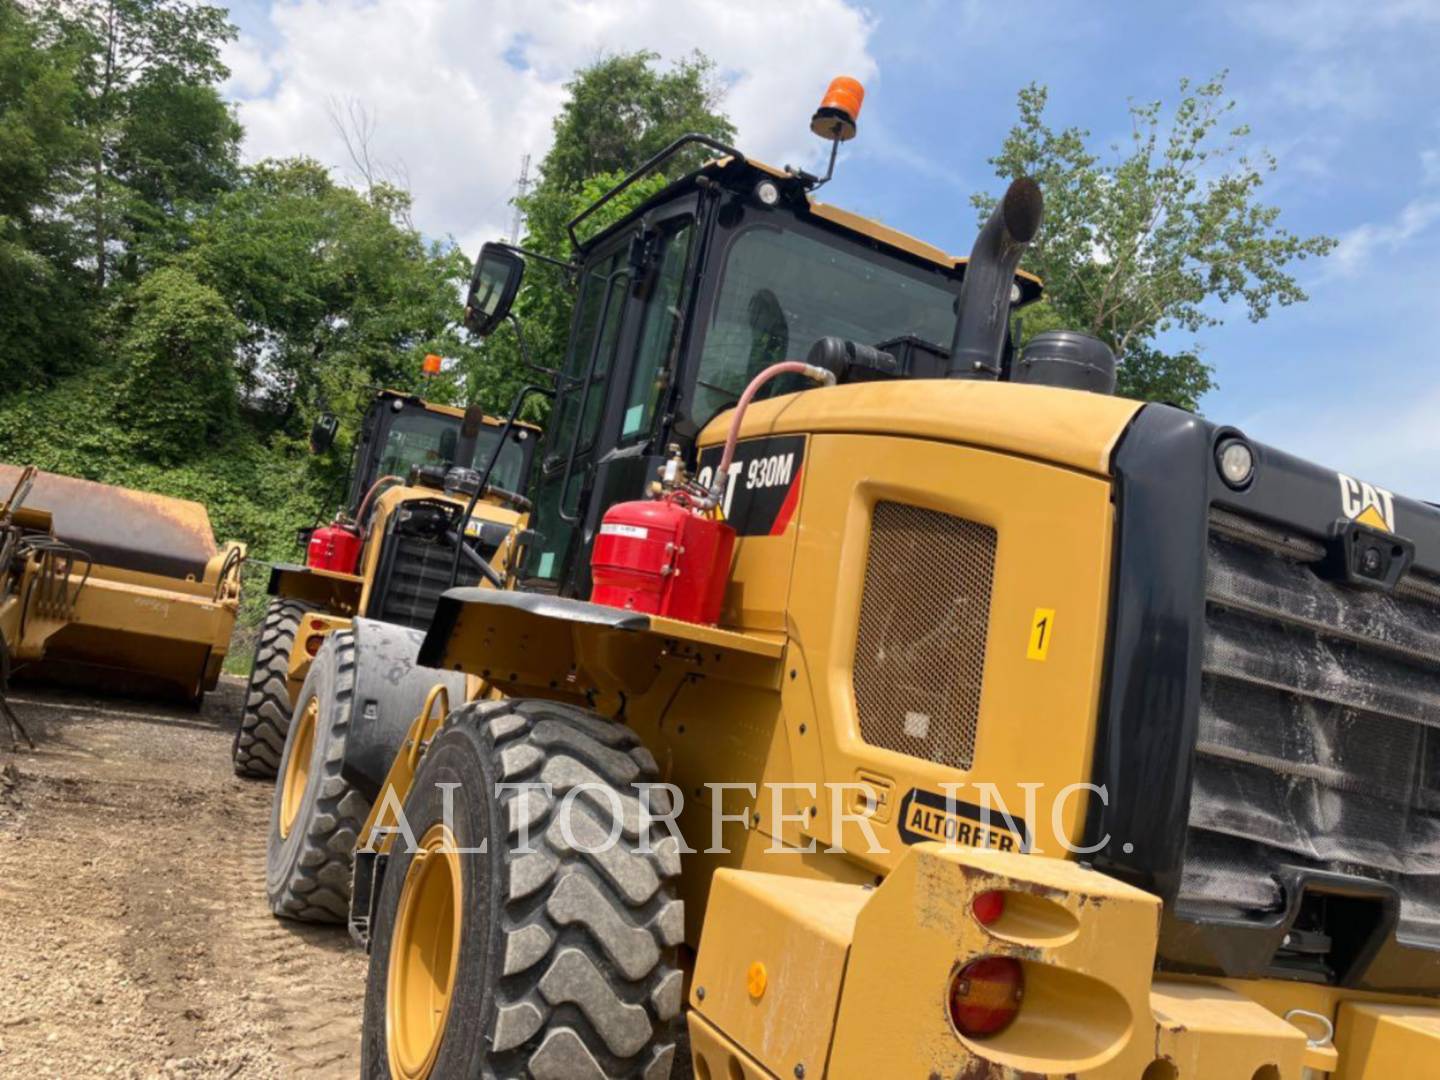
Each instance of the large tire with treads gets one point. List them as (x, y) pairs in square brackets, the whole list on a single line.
[(564, 966), (313, 828), (265, 717)]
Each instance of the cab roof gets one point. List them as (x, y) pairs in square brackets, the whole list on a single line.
[(449, 410), (740, 175)]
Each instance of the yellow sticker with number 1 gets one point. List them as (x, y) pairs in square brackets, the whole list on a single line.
[(1042, 629)]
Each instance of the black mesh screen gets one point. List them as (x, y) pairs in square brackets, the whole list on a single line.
[(1319, 732)]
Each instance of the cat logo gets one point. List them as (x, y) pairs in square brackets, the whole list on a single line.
[(1367, 504)]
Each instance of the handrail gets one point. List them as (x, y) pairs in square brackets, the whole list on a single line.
[(668, 152), (523, 396)]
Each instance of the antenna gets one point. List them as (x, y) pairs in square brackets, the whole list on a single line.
[(522, 187)]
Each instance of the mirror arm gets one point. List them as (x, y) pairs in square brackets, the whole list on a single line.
[(526, 392), (691, 138), (568, 267), (553, 373)]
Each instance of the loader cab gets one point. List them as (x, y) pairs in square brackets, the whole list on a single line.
[(679, 304), (401, 431)]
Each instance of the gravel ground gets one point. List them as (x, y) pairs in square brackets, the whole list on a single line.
[(135, 940)]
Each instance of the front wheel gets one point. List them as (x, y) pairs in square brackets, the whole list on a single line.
[(265, 716), (555, 959), (315, 813)]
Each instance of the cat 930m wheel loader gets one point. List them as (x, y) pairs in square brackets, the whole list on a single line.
[(928, 711), (387, 556), (432, 503)]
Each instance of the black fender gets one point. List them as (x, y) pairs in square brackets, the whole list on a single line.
[(390, 690)]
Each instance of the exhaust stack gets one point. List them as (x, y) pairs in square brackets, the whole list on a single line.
[(984, 313)]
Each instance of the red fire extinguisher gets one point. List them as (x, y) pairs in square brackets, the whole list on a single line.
[(670, 555), (334, 547)]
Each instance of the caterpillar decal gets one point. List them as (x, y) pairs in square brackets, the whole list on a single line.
[(1366, 503), (764, 483)]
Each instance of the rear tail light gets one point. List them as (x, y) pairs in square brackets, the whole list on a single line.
[(313, 643), (985, 996)]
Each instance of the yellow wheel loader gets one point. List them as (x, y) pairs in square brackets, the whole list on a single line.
[(114, 588), (1041, 733), (388, 566), (335, 682)]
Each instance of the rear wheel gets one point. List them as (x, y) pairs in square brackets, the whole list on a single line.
[(316, 815), (556, 958), (260, 739)]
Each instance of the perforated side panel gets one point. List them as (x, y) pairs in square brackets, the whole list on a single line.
[(920, 653)]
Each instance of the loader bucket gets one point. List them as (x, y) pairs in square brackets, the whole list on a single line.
[(152, 598)]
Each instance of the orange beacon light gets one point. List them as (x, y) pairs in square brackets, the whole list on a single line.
[(839, 110)]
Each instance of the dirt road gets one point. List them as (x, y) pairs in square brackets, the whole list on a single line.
[(134, 936)]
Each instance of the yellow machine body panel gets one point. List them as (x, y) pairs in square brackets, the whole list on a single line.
[(391, 499), (1382, 1041), (818, 956)]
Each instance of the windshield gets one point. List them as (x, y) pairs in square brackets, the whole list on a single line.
[(423, 437), (784, 290)]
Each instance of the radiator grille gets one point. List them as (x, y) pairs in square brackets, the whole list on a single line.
[(1319, 732), (924, 612), (419, 571)]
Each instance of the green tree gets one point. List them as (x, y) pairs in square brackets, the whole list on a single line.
[(43, 317), (178, 389), (619, 112), (1153, 237), (160, 136), (337, 295), (622, 109)]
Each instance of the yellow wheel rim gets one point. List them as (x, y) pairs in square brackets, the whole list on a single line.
[(424, 953), (297, 769)]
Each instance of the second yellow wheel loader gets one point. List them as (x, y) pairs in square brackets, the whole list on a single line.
[(398, 564), (336, 680)]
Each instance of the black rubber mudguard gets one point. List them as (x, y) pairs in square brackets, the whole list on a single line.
[(390, 690)]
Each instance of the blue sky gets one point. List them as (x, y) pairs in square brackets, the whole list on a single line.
[(1346, 95)]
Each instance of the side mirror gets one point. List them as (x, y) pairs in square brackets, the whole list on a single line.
[(493, 286), (323, 432)]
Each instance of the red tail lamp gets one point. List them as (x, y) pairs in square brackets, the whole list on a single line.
[(988, 906), (985, 996), (839, 109)]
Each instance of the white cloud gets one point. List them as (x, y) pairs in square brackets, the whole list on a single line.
[(459, 90), (251, 74), (1360, 246)]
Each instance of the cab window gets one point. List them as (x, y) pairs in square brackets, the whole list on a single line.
[(782, 290), (663, 294)]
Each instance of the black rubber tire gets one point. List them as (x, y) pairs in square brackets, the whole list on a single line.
[(307, 872), (567, 965), (265, 717)]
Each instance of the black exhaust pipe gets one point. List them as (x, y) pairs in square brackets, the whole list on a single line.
[(984, 309)]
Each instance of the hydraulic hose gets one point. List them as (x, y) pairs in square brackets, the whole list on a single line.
[(365, 502), (785, 367)]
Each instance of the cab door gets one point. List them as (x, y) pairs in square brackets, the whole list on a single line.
[(613, 391)]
